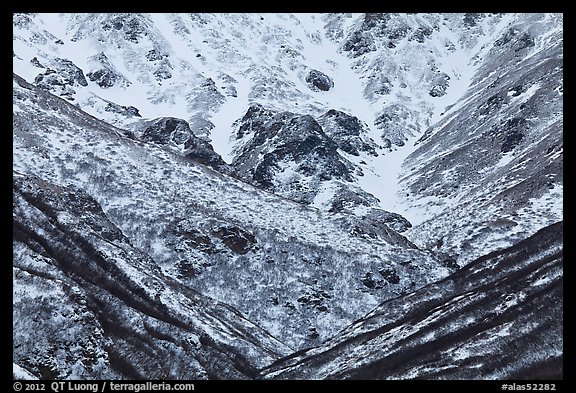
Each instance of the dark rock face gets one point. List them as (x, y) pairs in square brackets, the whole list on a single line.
[(65, 247), (194, 238), (105, 74), (50, 80), (104, 78), (512, 131), (371, 229), (376, 20), (21, 19), (493, 104), (516, 39), (236, 239), (160, 59), (385, 276), (315, 299), (128, 111), (384, 30), (202, 152), (70, 72), (439, 85), (36, 63), (293, 155), (393, 220), (499, 317), (284, 138), (202, 243), (346, 198), (131, 26), (254, 122), (318, 80), (389, 275), (361, 41), (371, 282), (165, 130), (348, 132), (61, 77), (163, 72), (170, 130), (471, 19), (154, 55)]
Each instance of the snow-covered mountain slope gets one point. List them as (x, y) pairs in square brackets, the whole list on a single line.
[(496, 154), (88, 305), (301, 168), (300, 273), (499, 317), (398, 75)]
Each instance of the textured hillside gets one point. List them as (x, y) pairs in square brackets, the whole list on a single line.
[(87, 304), (497, 153), (483, 90), (299, 273), (499, 317), (201, 195)]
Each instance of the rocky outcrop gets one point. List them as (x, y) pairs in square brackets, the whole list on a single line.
[(104, 73), (298, 157), (516, 39), (421, 34), (198, 150), (131, 27), (236, 239), (162, 63), (471, 19), (348, 132), (392, 220), (361, 40), (70, 71), (287, 148), (174, 131), (397, 124), (440, 83), (319, 81), (166, 130), (127, 111), (51, 80), (61, 77)]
